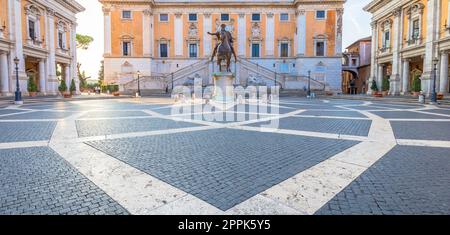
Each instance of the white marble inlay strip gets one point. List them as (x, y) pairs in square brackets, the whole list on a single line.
[(145, 133), (311, 189), (24, 144), (418, 120), (11, 114), (436, 114), (30, 120), (332, 117), (425, 143), (136, 191), (301, 133)]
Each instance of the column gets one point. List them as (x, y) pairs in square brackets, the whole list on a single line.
[(152, 41), (67, 76), (430, 43), (18, 36), (207, 27), (373, 65), (146, 32), (301, 32), (396, 41), (42, 81), (4, 73), (405, 77), (242, 35), (380, 76), (107, 28), (338, 47), (178, 34), (74, 62), (443, 76), (270, 34), (52, 81)]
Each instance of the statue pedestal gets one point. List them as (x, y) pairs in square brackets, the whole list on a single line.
[(223, 87)]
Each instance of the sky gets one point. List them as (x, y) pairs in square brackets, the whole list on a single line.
[(356, 25)]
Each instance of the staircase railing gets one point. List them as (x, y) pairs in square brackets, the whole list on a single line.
[(323, 85), (168, 78), (261, 70)]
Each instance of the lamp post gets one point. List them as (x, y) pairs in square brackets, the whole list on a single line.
[(139, 84), (433, 94), (18, 95), (309, 83)]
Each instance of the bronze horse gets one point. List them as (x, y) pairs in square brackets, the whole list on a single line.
[(224, 48)]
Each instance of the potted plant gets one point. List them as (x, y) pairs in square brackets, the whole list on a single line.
[(385, 86), (63, 89), (32, 88), (416, 86), (374, 89), (72, 88)]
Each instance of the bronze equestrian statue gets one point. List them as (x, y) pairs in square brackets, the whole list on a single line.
[(224, 48)]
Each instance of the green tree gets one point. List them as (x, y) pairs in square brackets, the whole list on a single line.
[(385, 86), (416, 84), (101, 73), (84, 41), (374, 86), (31, 84), (72, 87), (62, 86)]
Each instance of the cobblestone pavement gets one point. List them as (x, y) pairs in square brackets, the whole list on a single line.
[(120, 156), (207, 168), (407, 180), (38, 181)]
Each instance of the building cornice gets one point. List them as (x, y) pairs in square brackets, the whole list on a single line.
[(375, 5), (72, 5)]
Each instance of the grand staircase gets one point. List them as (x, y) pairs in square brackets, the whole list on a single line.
[(161, 83)]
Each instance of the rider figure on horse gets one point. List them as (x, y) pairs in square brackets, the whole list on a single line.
[(221, 35)]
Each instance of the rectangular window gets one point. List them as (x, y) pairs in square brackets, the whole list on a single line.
[(163, 17), (255, 50), (284, 48), (284, 17), (225, 17), (193, 50), (416, 28), (60, 39), (320, 48), (192, 17), (126, 14), (31, 29), (256, 17), (163, 50), (320, 14), (387, 41), (126, 48)]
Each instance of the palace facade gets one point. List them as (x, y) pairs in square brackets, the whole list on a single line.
[(166, 41), (409, 38), (41, 34)]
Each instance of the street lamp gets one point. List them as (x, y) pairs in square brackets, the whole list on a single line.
[(139, 84), (18, 95), (309, 83), (433, 94)]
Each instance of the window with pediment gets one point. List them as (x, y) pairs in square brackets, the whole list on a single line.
[(320, 45), (127, 45), (415, 15), (386, 35), (61, 35), (33, 19)]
